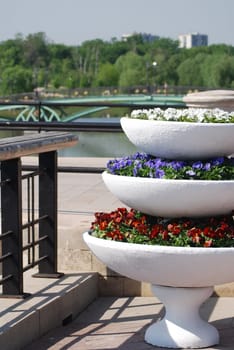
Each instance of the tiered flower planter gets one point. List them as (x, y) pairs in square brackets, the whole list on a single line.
[(181, 277)]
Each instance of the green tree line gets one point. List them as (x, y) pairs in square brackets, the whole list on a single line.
[(34, 61)]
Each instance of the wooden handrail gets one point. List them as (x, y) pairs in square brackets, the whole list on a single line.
[(19, 146)]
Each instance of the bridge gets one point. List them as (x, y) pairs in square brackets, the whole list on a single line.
[(52, 110)]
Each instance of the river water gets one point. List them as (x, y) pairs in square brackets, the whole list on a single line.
[(93, 144), (100, 144)]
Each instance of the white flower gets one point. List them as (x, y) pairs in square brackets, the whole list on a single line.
[(195, 115)]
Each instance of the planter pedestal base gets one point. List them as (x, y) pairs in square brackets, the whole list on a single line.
[(182, 326)]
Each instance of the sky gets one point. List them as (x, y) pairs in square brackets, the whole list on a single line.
[(71, 22)]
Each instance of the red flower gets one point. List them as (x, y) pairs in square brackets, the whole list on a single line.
[(103, 225), (116, 235), (195, 234), (156, 229), (174, 228), (209, 232), (208, 243), (165, 235), (133, 226)]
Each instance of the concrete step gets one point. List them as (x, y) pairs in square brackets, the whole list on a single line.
[(52, 303)]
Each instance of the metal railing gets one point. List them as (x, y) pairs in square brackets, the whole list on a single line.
[(46, 93), (30, 235)]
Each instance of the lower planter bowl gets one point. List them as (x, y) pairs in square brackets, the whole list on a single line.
[(180, 140), (165, 265), (182, 278), (173, 198)]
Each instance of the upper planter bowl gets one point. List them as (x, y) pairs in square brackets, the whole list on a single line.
[(180, 140)]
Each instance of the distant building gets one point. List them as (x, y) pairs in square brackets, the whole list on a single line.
[(149, 37), (125, 37), (146, 37), (194, 39)]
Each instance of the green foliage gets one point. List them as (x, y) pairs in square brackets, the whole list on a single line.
[(35, 50), (15, 79), (33, 61), (132, 69), (189, 71), (107, 75)]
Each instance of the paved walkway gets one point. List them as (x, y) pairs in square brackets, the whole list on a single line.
[(120, 323)]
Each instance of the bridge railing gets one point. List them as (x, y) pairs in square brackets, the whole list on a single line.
[(54, 110), (45, 93)]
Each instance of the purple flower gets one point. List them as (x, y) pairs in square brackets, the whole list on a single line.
[(137, 167), (207, 166), (150, 163), (159, 162), (135, 172), (177, 165), (145, 165), (217, 161), (197, 165), (140, 156), (159, 173)]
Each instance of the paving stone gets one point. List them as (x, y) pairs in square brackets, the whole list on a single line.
[(111, 323)]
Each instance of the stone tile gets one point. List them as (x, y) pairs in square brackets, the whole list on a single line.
[(225, 290), (119, 323)]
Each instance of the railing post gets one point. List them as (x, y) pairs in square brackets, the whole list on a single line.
[(11, 199), (48, 207)]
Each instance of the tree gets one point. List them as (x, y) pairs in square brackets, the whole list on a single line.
[(16, 79), (35, 50), (132, 70), (189, 71), (117, 62), (218, 71), (11, 53), (107, 76)]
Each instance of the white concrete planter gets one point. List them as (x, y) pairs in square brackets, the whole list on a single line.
[(180, 140), (166, 266), (173, 198), (182, 277)]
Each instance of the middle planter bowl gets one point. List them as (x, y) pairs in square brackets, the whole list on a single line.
[(180, 140), (173, 198)]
